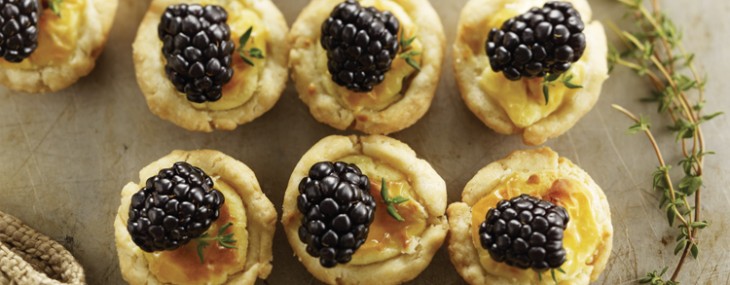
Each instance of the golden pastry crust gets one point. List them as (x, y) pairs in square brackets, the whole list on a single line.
[(426, 183), (326, 108), (470, 60), (462, 250), (169, 104), (93, 34), (260, 216)]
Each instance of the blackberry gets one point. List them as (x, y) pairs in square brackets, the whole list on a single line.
[(540, 41), (175, 206), (198, 49), (337, 210), (361, 44), (525, 232), (18, 28)]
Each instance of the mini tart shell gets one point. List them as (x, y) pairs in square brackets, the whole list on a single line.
[(469, 64), (304, 39), (426, 183), (260, 216), (464, 255), (93, 34), (169, 104)]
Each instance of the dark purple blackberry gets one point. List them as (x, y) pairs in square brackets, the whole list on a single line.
[(337, 210), (18, 28), (540, 41), (175, 206), (361, 44), (198, 49), (525, 232)]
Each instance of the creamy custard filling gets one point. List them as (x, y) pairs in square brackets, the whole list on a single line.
[(581, 237), (183, 266), (523, 100), (245, 78), (390, 90), (388, 237), (57, 35)]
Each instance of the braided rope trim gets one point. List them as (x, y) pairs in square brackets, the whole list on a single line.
[(28, 257)]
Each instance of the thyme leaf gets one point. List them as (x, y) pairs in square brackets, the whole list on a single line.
[(567, 81), (641, 126), (552, 274), (253, 52), (391, 202), (256, 53), (550, 78), (407, 52), (55, 6)]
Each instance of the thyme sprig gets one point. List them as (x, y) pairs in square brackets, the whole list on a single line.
[(223, 240), (655, 51), (550, 79), (655, 278), (253, 52), (407, 53), (391, 202)]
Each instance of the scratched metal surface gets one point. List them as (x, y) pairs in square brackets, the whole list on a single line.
[(66, 156)]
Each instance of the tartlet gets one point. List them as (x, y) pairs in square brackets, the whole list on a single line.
[(251, 215), (541, 173), (405, 93), (393, 252), (521, 108), (68, 44), (252, 89)]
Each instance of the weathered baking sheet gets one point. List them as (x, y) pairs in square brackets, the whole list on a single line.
[(65, 157)]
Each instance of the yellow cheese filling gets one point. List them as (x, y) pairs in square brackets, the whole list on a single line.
[(245, 78), (581, 237), (388, 237), (390, 90), (182, 266), (57, 35), (523, 100)]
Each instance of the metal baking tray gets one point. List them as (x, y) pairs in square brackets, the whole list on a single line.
[(66, 156)]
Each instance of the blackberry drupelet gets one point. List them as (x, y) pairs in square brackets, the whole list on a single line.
[(525, 232), (198, 50), (175, 206), (361, 44), (18, 28), (540, 41), (337, 210)]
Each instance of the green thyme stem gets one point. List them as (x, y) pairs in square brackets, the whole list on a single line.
[(222, 239), (659, 156), (692, 70), (658, 84), (652, 20), (655, 50), (698, 138), (665, 71), (683, 99)]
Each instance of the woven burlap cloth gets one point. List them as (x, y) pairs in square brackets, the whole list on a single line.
[(27, 257)]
